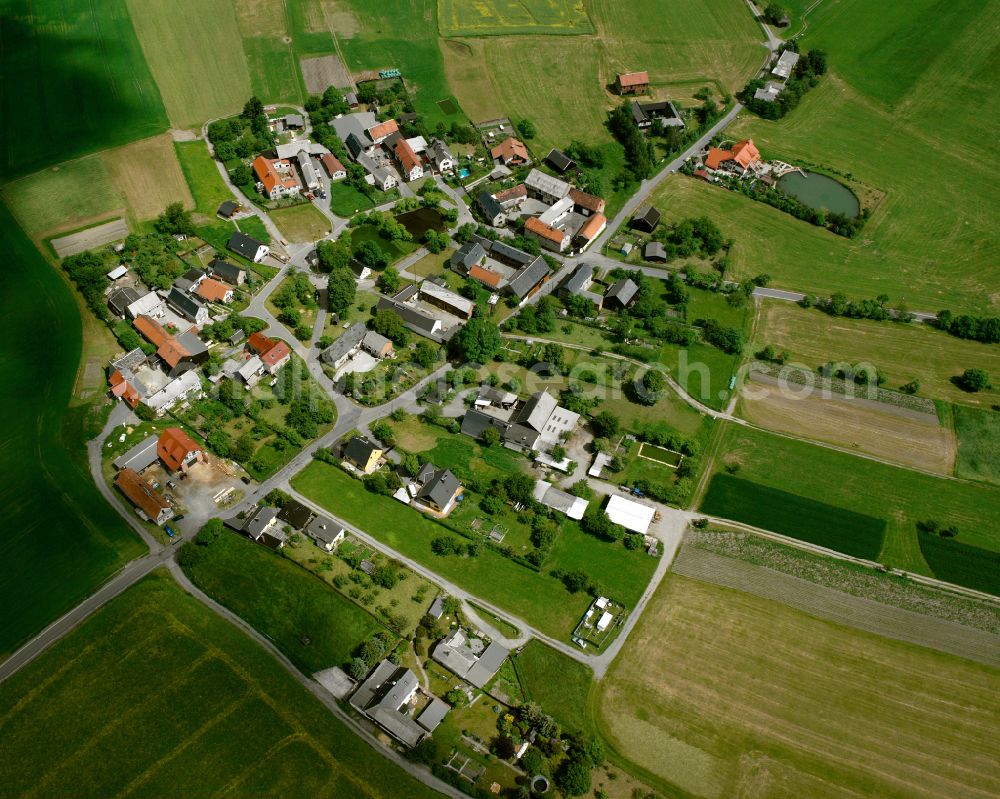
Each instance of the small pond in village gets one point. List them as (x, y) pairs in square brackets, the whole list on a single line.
[(820, 191), (420, 221)]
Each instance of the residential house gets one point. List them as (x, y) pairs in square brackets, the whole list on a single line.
[(467, 256), (632, 83), (769, 91), (180, 353), (551, 238), (512, 197), (325, 533), (441, 156), (511, 152), (590, 230), (191, 308), (292, 149), (140, 457), (295, 514), (124, 389), (378, 345), (493, 212), (273, 352), (552, 497), (213, 291), (150, 304), (655, 251), (362, 133), (447, 300), (545, 187), (662, 113), (363, 454), (141, 494), (537, 424), (578, 284), (409, 161), (487, 277), (309, 174), (529, 278), (646, 218), (469, 657), (440, 491), (230, 273), (178, 450), (251, 371), (344, 347), (333, 167), (741, 158), (586, 204), (414, 318), (260, 525), (385, 698), (247, 246), (559, 161), (186, 385), (119, 300), (228, 209), (378, 176), (622, 294), (785, 64), (276, 177)]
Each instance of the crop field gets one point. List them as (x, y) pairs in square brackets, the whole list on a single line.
[(282, 600), (155, 694), (203, 178), (201, 69), (978, 433), (270, 52), (901, 352), (960, 563), (566, 698), (919, 89), (888, 432), (301, 223), (720, 693), (148, 176), (897, 496), (60, 538), (75, 81), (507, 17)]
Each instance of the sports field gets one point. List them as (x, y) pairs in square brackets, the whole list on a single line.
[(508, 17), (156, 695), (819, 477), (202, 176), (724, 694), (60, 538), (903, 112), (901, 352), (148, 175), (75, 81), (301, 223), (201, 69)]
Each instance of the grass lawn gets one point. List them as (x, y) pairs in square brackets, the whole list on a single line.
[(253, 226), (77, 82), (201, 70), (154, 695), (466, 457), (61, 539), (716, 689), (301, 223), (346, 200), (539, 599), (202, 177), (894, 495), (282, 600), (559, 684), (433, 264), (978, 433), (901, 352)]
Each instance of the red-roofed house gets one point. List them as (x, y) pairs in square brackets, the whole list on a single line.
[(632, 82), (141, 494), (591, 229), (379, 133), (333, 167), (549, 237), (408, 160), (586, 204), (511, 152), (213, 291), (744, 153), (277, 177), (178, 450), (260, 343), (276, 356), (717, 157), (167, 347), (485, 276), (124, 390)]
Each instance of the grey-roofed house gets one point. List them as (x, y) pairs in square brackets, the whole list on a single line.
[(130, 361), (769, 91), (493, 213), (412, 318), (528, 278), (440, 491), (621, 294), (294, 121), (250, 371), (654, 251), (228, 208), (295, 513), (191, 308), (325, 532), (227, 272), (512, 256), (309, 175), (540, 422), (447, 300), (425, 474), (467, 256), (341, 351), (150, 304), (557, 499), (120, 299), (382, 697), (141, 456), (662, 111), (376, 344), (247, 246), (786, 63), (263, 524), (433, 714), (559, 161), (467, 658), (545, 187), (578, 285), (441, 156), (646, 218)]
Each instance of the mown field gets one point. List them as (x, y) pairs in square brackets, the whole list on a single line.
[(819, 477), (271, 57), (282, 600), (75, 80), (565, 698), (508, 17), (301, 223), (202, 176), (60, 538), (156, 695), (901, 352), (978, 433), (719, 694), (148, 175), (904, 112), (200, 69)]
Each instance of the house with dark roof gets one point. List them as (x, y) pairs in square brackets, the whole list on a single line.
[(415, 317), (228, 209), (654, 251), (363, 454), (378, 345), (441, 156), (622, 294), (143, 496), (119, 300), (325, 532), (646, 218), (559, 161), (537, 424), (247, 246), (387, 696), (469, 657), (262, 526), (227, 272), (493, 212), (345, 346), (191, 308), (140, 457), (295, 514), (440, 296), (467, 256), (440, 490), (529, 278), (578, 285), (661, 113)]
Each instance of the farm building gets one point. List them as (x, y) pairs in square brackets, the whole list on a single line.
[(586, 204), (591, 229), (545, 187), (654, 251), (178, 450), (228, 209), (632, 83), (141, 494), (646, 218), (276, 177), (629, 514), (559, 161), (662, 113), (786, 63), (140, 457), (552, 497), (622, 294)]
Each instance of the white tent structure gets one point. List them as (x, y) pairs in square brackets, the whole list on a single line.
[(630, 515)]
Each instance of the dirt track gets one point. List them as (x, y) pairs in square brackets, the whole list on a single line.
[(90, 238)]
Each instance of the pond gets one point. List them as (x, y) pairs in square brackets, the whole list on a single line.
[(820, 191), (420, 221)]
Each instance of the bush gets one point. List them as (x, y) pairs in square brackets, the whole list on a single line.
[(974, 380)]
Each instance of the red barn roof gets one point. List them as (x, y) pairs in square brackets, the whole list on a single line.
[(174, 446)]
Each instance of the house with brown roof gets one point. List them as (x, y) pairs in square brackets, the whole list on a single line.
[(124, 390), (487, 277), (177, 352), (380, 132), (744, 155), (178, 450), (591, 229), (409, 162), (586, 204), (551, 238), (511, 152), (333, 167), (632, 83), (276, 357), (277, 177), (141, 494), (212, 290)]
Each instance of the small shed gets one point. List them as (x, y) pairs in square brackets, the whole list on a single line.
[(559, 161), (646, 218), (654, 251)]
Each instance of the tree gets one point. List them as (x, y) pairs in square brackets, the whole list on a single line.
[(775, 14), (252, 108), (651, 387), (606, 425), (388, 281), (490, 437), (371, 255), (478, 341), (341, 289), (576, 581), (175, 219), (974, 380), (333, 255), (388, 324), (425, 354), (573, 777), (219, 442), (526, 128), (456, 698), (243, 448)]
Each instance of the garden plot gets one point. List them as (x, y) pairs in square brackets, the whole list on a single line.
[(662, 455)]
